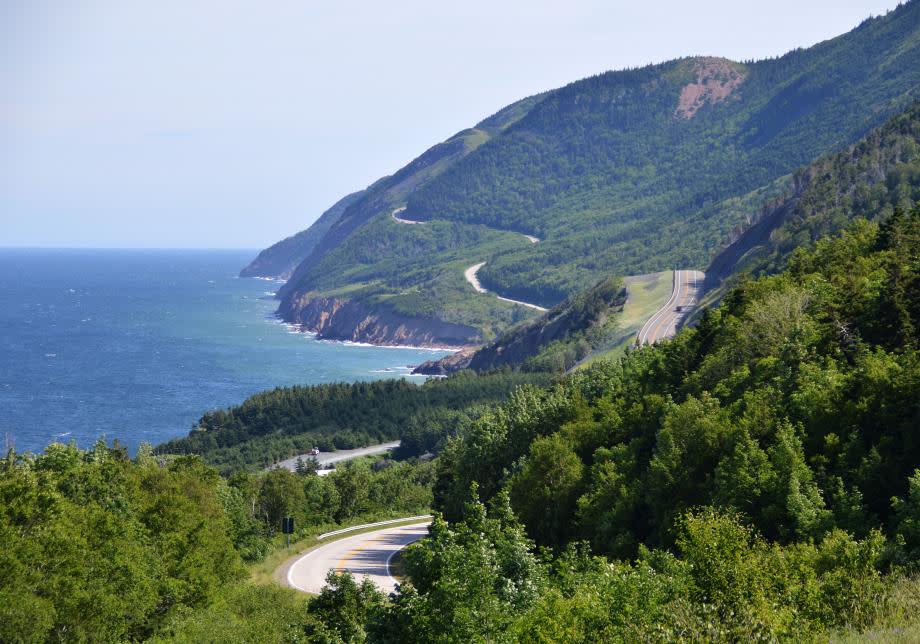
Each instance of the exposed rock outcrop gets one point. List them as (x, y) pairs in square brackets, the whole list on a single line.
[(336, 318), (716, 79), (448, 364)]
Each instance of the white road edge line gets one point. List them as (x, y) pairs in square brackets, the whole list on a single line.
[(679, 277), (675, 291), (290, 580), (306, 556), (370, 525), (390, 577)]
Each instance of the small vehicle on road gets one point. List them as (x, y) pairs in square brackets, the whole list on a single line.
[(314, 451)]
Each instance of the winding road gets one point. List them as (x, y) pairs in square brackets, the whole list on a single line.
[(363, 555), (470, 273), (667, 320), (398, 219)]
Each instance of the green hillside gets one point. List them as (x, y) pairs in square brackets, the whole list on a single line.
[(280, 259), (554, 342), (874, 176), (627, 172), (274, 425)]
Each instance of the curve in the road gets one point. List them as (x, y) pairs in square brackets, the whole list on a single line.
[(366, 555), (398, 219), (470, 275), (652, 322)]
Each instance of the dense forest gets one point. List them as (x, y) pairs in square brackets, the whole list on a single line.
[(617, 174), (879, 173), (287, 421), (794, 402), (755, 478), (102, 548)]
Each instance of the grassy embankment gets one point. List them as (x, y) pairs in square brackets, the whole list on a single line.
[(647, 294)]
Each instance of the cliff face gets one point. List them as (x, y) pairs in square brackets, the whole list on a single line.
[(334, 318), (743, 240), (448, 364)]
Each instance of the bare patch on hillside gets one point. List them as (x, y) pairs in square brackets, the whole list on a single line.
[(716, 79)]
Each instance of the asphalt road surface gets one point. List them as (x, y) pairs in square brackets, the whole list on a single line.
[(327, 458), (664, 323), (363, 555), (396, 218), (470, 276), (470, 273)]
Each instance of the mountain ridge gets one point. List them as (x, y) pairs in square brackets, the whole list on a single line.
[(626, 172), (279, 260)]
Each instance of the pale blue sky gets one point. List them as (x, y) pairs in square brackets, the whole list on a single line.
[(232, 124)]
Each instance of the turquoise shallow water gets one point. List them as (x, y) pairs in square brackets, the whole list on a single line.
[(136, 345)]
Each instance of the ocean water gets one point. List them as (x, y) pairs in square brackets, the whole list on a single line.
[(137, 344)]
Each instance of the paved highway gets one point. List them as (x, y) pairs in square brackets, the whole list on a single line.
[(327, 458), (470, 273), (364, 555), (396, 218), (664, 323), (470, 276)]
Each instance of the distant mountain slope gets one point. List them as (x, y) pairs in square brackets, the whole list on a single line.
[(870, 178), (389, 192), (627, 172), (553, 342), (279, 260)]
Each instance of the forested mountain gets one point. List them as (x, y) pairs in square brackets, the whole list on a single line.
[(754, 478), (279, 260), (796, 403), (626, 172), (872, 177), (389, 192)]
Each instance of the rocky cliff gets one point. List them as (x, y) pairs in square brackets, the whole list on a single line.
[(336, 318)]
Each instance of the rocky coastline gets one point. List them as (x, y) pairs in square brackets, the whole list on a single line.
[(346, 320)]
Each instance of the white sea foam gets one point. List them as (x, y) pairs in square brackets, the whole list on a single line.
[(350, 343)]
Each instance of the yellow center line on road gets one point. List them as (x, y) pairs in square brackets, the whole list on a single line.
[(340, 566)]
